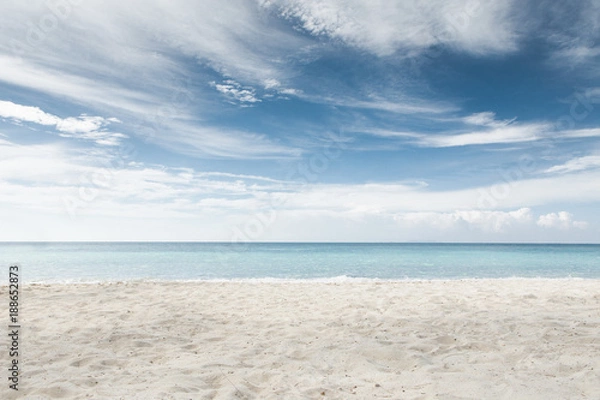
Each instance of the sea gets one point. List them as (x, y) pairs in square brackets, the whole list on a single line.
[(76, 262)]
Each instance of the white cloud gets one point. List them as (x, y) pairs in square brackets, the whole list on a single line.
[(493, 131), (81, 124), (577, 43), (99, 137), (34, 164), (233, 39), (201, 141), (19, 112), (271, 83), (52, 179), (140, 79), (55, 164), (183, 137), (560, 220), (400, 105), (488, 221), (576, 164), (87, 62), (393, 198), (580, 133), (240, 176), (390, 133), (101, 94), (514, 133), (82, 127), (234, 91), (593, 94), (577, 54), (486, 119), (275, 85), (385, 27)]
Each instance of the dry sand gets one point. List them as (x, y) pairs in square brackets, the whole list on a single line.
[(474, 339)]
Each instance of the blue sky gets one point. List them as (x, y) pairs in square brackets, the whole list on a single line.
[(300, 120)]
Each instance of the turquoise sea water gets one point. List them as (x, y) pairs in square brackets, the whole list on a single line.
[(76, 262)]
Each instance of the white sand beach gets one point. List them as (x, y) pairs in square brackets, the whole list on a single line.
[(473, 339)]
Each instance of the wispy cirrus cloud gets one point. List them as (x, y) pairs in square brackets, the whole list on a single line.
[(141, 80), (78, 87), (478, 27), (576, 43), (516, 133), (488, 131), (187, 138), (247, 55), (486, 118), (400, 106), (217, 142), (575, 164), (578, 54), (593, 94)]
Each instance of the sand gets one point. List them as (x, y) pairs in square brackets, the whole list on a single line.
[(472, 339)]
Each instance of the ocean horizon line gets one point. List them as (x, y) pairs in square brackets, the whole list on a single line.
[(287, 242)]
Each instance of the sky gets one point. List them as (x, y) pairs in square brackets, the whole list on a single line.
[(300, 120)]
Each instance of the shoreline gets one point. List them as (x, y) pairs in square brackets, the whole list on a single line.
[(455, 339), (268, 280)]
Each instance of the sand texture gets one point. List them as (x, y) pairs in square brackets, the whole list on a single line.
[(473, 339)]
